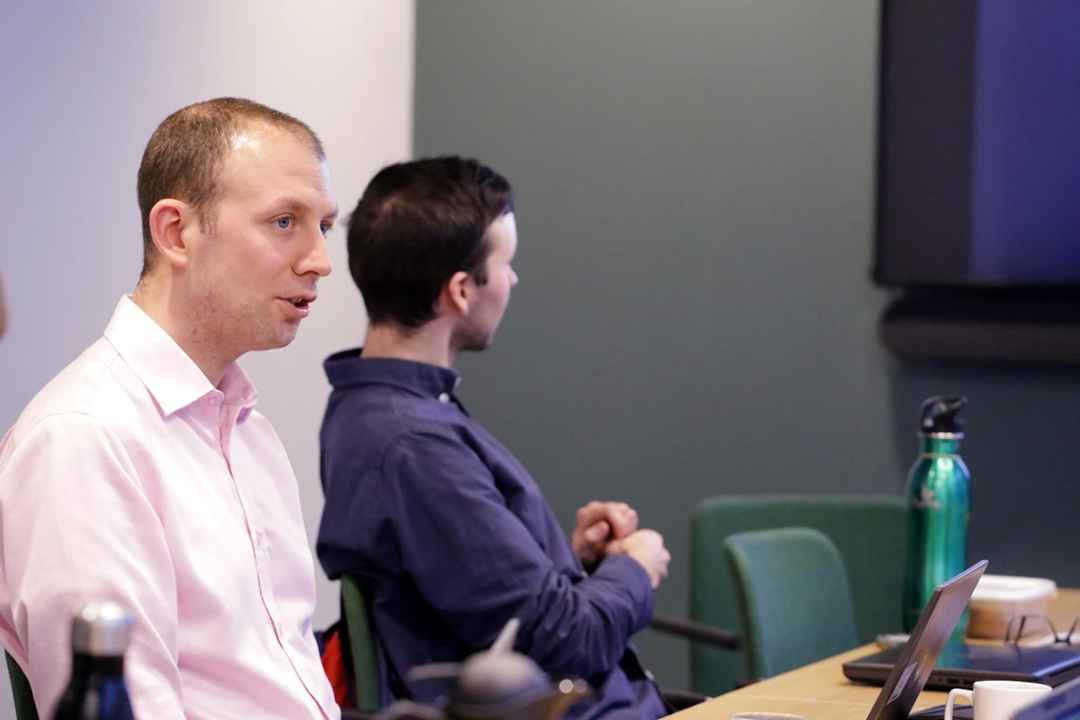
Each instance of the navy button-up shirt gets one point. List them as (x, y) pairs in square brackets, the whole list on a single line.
[(452, 538)]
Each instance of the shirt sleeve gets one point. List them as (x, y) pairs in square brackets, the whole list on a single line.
[(77, 527), (478, 564)]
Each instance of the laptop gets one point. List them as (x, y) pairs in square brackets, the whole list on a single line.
[(960, 665), (915, 659), (1062, 704)]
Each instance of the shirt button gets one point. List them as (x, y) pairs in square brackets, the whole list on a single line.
[(444, 398), (211, 400)]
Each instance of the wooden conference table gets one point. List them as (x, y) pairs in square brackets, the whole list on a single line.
[(821, 692)]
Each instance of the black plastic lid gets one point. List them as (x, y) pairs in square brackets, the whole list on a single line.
[(939, 415)]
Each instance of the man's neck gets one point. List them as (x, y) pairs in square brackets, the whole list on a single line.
[(429, 343), (171, 314)]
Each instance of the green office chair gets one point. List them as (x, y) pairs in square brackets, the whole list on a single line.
[(794, 598), (25, 709), (361, 642), (869, 531)]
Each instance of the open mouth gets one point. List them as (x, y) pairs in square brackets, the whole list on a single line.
[(301, 304)]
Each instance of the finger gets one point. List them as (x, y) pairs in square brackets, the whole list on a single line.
[(597, 532), (590, 513), (623, 518)]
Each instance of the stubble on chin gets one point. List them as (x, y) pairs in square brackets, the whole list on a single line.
[(268, 330)]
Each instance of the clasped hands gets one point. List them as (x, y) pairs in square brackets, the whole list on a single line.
[(611, 528)]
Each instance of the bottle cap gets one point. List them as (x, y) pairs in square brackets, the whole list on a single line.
[(939, 415), (101, 629)]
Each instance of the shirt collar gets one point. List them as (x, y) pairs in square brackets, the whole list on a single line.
[(347, 368), (171, 377)]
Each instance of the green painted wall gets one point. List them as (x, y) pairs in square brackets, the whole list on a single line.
[(695, 315)]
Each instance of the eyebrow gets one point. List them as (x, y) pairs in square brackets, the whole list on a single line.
[(295, 206)]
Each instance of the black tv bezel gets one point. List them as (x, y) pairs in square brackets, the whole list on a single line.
[(976, 286)]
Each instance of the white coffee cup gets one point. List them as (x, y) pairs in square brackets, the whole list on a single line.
[(997, 699)]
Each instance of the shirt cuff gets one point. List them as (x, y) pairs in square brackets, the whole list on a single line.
[(630, 574)]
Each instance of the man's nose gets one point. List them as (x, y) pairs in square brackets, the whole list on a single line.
[(317, 259)]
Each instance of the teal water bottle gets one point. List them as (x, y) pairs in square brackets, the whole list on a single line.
[(939, 503)]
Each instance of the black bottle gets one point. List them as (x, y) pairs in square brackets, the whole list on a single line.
[(99, 637)]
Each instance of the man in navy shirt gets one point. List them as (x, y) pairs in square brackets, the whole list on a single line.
[(447, 531)]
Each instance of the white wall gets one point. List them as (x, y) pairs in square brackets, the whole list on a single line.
[(82, 86)]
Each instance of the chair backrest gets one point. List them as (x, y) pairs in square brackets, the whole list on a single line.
[(793, 595), (361, 640), (25, 709), (869, 531)]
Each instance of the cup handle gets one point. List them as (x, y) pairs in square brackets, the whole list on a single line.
[(953, 694)]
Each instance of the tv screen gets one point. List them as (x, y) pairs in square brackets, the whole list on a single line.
[(979, 144)]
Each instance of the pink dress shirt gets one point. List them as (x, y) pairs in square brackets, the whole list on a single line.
[(131, 478)]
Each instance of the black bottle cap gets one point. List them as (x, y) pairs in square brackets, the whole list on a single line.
[(939, 415)]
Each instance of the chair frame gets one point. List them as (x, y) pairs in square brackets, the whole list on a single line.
[(361, 642), (23, 695)]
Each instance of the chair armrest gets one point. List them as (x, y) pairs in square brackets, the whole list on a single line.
[(354, 714), (682, 699), (400, 710), (696, 631)]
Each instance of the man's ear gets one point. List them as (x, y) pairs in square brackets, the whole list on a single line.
[(170, 221), (458, 291)]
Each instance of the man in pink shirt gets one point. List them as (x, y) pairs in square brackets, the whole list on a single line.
[(141, 473)]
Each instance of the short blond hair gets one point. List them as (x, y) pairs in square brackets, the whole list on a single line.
[(184, 156)]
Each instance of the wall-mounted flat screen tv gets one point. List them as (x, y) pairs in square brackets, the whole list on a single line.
[(979, 144)]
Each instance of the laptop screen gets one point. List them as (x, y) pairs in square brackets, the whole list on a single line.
[(1062, 704), (916, 661)]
